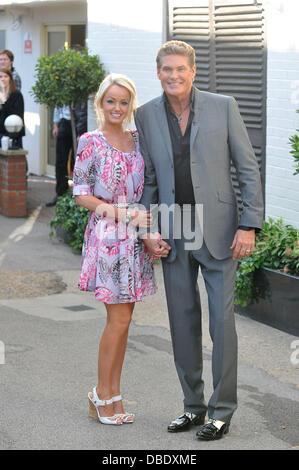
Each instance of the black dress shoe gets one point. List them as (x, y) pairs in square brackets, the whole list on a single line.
[(52, 203), (209, 432), (184, 422)]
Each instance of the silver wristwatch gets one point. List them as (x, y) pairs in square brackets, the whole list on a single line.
[(127, 218)]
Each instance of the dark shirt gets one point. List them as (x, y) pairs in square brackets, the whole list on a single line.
[(13, 105), (184, 193), (81, 119)]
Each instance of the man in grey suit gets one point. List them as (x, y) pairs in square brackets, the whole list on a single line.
[(188, 139)]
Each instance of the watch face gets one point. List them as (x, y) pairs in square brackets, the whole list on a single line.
[(127, 218)]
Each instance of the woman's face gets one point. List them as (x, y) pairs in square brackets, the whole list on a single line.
[(115, 104), (4, 80)]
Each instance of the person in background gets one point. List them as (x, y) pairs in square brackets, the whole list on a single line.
[(62, 132), (6, 62), (12, 102), (81, 119)]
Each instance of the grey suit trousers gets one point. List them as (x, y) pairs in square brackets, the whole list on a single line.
[(184, 308)]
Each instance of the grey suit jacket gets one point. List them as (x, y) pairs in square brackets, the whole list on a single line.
[(218, 135)]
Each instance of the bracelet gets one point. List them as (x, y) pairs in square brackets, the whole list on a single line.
[(121, 205)]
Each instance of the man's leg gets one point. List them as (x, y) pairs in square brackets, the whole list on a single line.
[(184, 309), (219, 277), (63, 145)]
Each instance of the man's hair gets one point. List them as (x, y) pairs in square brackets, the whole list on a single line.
[(12, 85), (8, 53), (176, 48)]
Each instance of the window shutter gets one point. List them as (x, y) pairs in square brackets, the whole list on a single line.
[(229, 39), (240, 66), (190, 22)]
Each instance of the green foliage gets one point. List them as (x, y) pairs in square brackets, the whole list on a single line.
[(66, 77), (277, 247), (294, 142), (72, 218)]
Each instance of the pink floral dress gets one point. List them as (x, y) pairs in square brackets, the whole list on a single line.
[(115, 263)]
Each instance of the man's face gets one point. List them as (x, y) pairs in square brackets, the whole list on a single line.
[(5, 62), (176, 75)]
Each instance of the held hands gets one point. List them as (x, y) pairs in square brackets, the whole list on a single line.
[(243, 243), (55, 130), (157, 247)]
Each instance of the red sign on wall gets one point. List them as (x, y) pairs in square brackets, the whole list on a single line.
[(27, 46)]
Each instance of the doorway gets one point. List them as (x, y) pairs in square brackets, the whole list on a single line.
[(56, 37)]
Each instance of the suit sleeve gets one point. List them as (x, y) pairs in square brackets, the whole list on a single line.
[(150, 191), (247, 169)]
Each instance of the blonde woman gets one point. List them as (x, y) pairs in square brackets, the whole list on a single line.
[(108, 180)]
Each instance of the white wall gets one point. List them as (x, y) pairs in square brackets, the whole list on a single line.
[(126, 36), (31, 22), (282, 187)]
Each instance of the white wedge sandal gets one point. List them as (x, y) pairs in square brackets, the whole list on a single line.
[(94, 412), (126, 417)]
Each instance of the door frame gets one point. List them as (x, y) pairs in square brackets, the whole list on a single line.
[(48, 170)]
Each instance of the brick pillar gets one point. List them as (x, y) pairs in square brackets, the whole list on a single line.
[(13, 184)]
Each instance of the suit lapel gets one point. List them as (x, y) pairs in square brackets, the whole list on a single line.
[(198, 116), (163, 126)]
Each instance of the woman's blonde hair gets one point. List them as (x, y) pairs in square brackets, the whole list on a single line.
[(120, 80)]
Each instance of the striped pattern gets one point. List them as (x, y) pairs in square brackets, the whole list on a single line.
[(229, 41)]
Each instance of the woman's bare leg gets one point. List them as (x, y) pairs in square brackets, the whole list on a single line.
[(116, 374), (112, 350)]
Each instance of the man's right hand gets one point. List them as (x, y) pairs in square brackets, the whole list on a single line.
[(55, 130), (157, 247)]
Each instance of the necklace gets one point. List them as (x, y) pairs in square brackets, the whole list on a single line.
[(179, 116)]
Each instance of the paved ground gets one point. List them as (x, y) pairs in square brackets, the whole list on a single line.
[(50, 333)]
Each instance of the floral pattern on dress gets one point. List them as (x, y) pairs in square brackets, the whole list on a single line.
[(115, 263)]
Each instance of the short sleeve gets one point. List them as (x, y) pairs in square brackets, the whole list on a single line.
[(84, 170)]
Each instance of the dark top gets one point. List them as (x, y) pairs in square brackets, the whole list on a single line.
[(81, 119), (184, 193), (13, 105)]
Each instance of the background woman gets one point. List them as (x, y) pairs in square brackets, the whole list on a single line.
[(108, 180), (12, 102)]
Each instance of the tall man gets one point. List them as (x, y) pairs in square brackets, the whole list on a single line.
[(188, 139)]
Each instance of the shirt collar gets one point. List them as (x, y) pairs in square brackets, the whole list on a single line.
[(192, 99)]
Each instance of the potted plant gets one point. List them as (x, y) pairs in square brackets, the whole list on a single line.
[(70, 221), (267, 281), (67, 78)]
